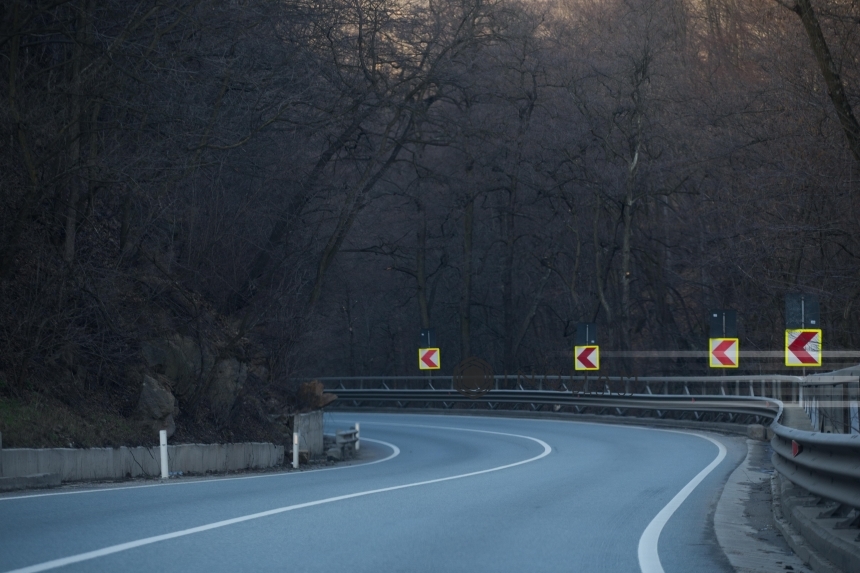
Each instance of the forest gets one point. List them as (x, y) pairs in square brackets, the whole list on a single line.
[(219, 199)]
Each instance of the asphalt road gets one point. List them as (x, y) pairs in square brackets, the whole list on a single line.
[(434, 493)]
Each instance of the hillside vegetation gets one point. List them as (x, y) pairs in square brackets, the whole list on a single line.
[(205, 202)]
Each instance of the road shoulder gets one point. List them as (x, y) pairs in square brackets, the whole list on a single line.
[(743, 520)]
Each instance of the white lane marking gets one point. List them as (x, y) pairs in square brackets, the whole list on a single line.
[(394, 454), (649, 558), (56, 563), (454, 428)]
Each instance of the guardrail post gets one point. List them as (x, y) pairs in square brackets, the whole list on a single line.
[(813, 411), (295, 450), (853, 412), (162, 438), (357, 436)]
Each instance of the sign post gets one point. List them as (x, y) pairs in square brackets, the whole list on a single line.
[(723, 345), (586, 352), (428, 342), (428, 338), (802, 330)]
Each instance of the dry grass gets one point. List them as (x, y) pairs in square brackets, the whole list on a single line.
[(38, 422)]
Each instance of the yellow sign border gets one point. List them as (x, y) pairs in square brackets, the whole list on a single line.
[(816, 354), (423, 366), (576, 350), (720, 364)]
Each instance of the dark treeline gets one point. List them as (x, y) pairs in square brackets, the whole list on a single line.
[(308, 183)]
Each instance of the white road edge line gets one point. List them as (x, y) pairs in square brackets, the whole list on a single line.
[(211, 480), (56, 563), (649, 558)]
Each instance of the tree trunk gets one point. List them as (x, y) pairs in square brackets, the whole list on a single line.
[(356, 203), (348, 310), (76, 179), (530, 314), (508, 279), (626, 248), (835, 88), (598, 263), (466, 295), (421, 269), (9, 249), (280, 233)]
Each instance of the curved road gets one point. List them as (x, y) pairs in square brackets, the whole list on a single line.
[(432, 493)]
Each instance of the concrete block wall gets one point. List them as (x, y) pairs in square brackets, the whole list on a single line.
[(118, 463), (310, 428), (224, 457)]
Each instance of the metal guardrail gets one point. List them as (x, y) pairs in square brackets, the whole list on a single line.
[(735, 399), (735, 385), (825, 464), (832, 403), (621, 404), (348, 438)]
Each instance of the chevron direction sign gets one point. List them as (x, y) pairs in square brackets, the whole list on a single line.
[(803, 347), (586, 357), (723, 352), (429, 359)]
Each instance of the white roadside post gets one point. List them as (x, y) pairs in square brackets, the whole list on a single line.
[(357, 443), (295, 450), (162, 435)]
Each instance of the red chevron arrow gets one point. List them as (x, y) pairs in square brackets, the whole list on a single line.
[(720, 353), (428, 358), (798, 347), (583, 357)]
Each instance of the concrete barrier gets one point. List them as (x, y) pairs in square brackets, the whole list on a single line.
[(37, 481), (118, 463), (310, 428)]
